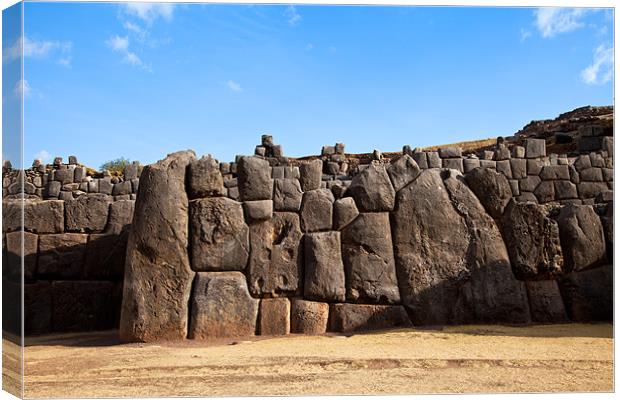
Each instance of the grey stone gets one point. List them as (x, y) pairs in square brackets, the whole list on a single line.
[(369, 260), (434, 161), (287, 195), (345, 211), (219, 237), (589, 295), (93, 186), (324, 270), (53, 188), (589, 190), (230, 182), (534, 167), (131, 171), (310, 175), (309, 317), (469, 164), (535, 148), (158, 276), (64, 175), (502, 153), (105, 186), (518, 152), (514, 187), (105, 256), (372, 190), (582, 238), (347, 318), (222, 306), (120, 216), (274, 266), (420, 159), (450, 152), (87, 213), (258, 210), (533, 242), (38, 216), (518, 167), (205, 179), (546, 305), (122, 188), (596, 159), (591, 175), (565, 190), (254, 178), (545, 192), (529, 184), (453, 163), (555, 172), (316, 210), (65, 196), (488, 164), (277, 172), (582, 162), (79, 174), (491, 188), (61, 255), (403, 171), (24, 248)]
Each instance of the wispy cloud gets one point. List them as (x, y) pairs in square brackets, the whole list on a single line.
[(140, 33), (309, 47), (525, 34), (22, 87), (44, 156), (38, 49), (149, 12), (551, 21), (120, 44), (234, 86), (601, 69), (292, 16)]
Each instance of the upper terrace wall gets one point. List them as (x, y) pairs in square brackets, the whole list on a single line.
[(343, 254)]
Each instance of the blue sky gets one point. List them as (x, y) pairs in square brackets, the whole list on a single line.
[(141, 80)]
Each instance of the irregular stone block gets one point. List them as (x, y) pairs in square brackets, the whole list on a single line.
[(533, 242), (316, 210), (230, 182), (275, 259), (535, 148), (365, 317), (345, 211), (158, 276), (527, 196), (369, 260), (591, 175), (491, 188), (233, 193), (469, 164), (258, 210), (529, 184), (589, 295), (451, 261), (219, 237), (488, 164), (61, 255), (66, 196), (324, 270), (545, 192), (310, 175), (105, 256), (518, 167), (518, 152), (403, 171), (588, 190), (222, 306), (372, 189), (565, 190), (546, 305), (64, 175), (53, 189), (453, 163), (582, 238), (434, 161), (287, 195), (205, 178), (514, 187), (309, 317), (420, 159), (87, 213), (274, 317), (120, 216), (450, 152), (16, 249), (502, 153), (534, 167), (582, 162), (38, 216), (554, 172), (254, 179), (105, 186)]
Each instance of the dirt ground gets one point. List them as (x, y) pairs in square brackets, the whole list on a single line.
[(465, 359)]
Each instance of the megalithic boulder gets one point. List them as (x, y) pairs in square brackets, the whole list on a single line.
[(158, 277)]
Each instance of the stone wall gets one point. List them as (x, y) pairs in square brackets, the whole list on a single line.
[(269, 245)]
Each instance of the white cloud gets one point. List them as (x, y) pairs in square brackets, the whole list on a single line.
[(551, 21), (292, 15), (602, 67), (34, 49), (234, 86), (139, 32), (149, 12), (44, 156), (309, 47), (525, 34), (118, 43), (65, 61), (22, 86)]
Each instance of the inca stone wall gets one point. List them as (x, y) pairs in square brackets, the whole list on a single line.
[(268, 245)]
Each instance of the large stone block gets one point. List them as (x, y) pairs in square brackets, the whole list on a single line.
[(403, 171), (545, 191), (345, 211), (491, 188), (533, 241), (87, 213), (365, 317), (222, 306), (582, 238), (258, 210), (61, 255), (309, 317), (310, 174), (84, 306), (324, 270), (275, 265), (369, 260), (20, 247), (287, 195), (254, 179), (219, 236), (518, 166), (451, 261), (317, 210), (372, 189), (105, 256), (38, 216), (120, 216), (535, 148), (589, 190), (205, 179), (158, 276), (122, 188), (554, 172), (589, 295), (274, 317), (546, 305), (565, 190)]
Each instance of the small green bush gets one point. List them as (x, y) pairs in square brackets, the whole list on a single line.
[(117, 165)]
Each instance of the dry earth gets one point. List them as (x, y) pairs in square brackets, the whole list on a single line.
[(465, 359)]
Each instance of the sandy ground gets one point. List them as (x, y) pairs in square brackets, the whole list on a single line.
[(465, 359)]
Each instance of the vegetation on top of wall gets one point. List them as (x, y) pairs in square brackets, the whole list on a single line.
[(117, 165)]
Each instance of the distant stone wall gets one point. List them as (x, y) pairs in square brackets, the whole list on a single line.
[(73, 261), (264, 247)]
